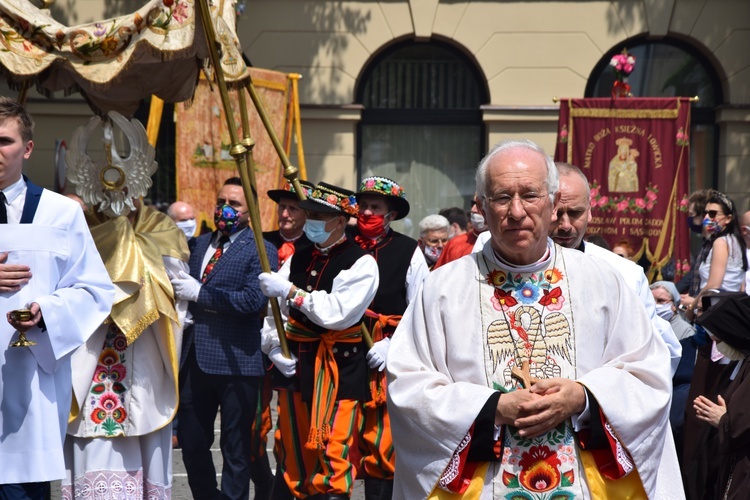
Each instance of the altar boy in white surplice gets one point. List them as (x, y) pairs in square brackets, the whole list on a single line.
[(48, 264), (528, 370)]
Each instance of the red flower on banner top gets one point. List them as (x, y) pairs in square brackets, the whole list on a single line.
[(623, 63)]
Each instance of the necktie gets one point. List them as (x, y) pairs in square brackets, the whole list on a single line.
[(215, 257), (3, 210)]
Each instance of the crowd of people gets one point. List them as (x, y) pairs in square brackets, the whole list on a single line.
[(502, 354)]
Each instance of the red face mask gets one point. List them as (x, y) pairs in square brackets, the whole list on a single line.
[(371, 226)]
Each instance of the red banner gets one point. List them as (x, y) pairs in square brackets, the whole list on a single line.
[(635, 153)]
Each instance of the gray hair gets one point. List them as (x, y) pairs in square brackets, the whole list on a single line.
[(669, 287), (570, 169), (552, 181), (433, 222)]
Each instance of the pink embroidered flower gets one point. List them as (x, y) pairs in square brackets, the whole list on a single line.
[(650, 205), (117, 372), (332, 199), (108, 401), (180, 12), (603, 201), (622, 205), (595, 191), (684, 203), (640, 203), (650, 196), (370, 183)]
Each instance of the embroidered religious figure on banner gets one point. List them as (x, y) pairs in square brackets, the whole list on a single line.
[(636, 155), (623, 169)]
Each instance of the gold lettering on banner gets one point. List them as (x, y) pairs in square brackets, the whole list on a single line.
[(630, 129), (656, 149), (592, 145)]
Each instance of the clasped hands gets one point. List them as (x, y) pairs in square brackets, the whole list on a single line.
[(541, 407)]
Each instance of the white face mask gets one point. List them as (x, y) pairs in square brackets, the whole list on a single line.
[(432, 254), (664, 311), (478, 222), (187, 227)]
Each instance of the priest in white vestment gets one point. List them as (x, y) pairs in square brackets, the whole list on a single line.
[(528, 370), (125, 377), (48, 264)]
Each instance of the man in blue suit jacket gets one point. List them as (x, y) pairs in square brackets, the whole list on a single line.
[(221, 362)]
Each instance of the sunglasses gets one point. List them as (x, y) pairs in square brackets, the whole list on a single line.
[(712, 213)]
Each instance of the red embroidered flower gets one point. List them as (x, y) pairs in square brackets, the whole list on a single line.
[(505, 298), (120, 343), (119, 415), (539, 469), (98, 415), (552, 299)]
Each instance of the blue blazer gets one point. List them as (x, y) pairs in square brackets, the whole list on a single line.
[(226, 329)]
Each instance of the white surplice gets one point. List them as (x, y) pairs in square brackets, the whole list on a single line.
[(440, 372), (72, 287)]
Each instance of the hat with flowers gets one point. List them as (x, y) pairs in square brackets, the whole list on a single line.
[(327, 198), (390, 189), (288, 191)]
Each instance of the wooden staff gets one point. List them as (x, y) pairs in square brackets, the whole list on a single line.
[(240, 155)]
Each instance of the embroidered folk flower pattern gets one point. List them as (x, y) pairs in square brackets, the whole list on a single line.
[(552, 299), (534, 288), (535, 467), (107, 393)]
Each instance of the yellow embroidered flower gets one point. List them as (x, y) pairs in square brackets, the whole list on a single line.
[(553, 275), (497, 278)]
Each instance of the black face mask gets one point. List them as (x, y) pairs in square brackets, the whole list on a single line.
[(696, 228)]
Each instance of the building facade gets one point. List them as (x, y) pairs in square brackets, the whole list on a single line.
[(419, 89)]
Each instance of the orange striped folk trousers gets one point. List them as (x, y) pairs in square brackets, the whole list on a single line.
[(376, 442), (262, 424), (309, 472)]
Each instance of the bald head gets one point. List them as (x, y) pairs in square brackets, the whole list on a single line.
[(745, 227), (180, 211), (574, 209)]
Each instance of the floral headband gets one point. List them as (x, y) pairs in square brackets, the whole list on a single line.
[(381, 185), (345, 202)]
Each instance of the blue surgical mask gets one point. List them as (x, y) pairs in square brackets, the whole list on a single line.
[(315, 230)]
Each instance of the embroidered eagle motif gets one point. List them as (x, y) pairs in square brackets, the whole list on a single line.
[(524, 335)]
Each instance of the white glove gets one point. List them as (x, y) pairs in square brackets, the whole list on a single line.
[(273, 285), (378, 353), (287, 366), (185, 286)]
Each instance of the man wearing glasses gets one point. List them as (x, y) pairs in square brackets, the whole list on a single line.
[(516, 371)]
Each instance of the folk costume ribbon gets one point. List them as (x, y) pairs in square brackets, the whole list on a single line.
[(325, 388), (377, 378)]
